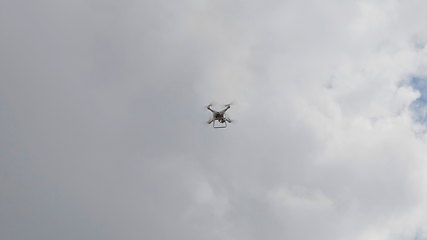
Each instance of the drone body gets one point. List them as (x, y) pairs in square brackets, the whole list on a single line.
[(219, 116)]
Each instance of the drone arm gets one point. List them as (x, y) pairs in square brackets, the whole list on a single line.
[(210, 109), (223, 111)]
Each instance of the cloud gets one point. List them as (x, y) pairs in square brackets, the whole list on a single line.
[(103, 133)]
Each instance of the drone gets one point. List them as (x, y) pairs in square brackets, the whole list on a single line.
[(219, 117)]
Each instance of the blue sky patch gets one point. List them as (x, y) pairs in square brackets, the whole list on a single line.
[(419, 106)]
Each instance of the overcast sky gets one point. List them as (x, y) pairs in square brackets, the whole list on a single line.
[(103, 130)]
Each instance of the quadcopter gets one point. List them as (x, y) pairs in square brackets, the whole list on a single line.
[(219, 117)]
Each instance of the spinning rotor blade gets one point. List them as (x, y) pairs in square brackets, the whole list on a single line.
[(230, 104), (210, 105)]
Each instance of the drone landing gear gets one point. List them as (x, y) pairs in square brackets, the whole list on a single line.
[(219, 125)]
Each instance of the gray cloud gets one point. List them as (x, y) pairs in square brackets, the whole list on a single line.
[(103, 134)]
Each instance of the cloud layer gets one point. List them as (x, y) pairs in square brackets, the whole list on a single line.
[(102, 120)]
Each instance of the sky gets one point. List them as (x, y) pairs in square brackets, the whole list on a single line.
[(103, 130)]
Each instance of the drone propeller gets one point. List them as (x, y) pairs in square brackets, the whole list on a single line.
[(210, 121), (230, 104), (210, 105)]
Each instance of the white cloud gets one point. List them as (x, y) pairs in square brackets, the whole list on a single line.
[(102, 120)]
